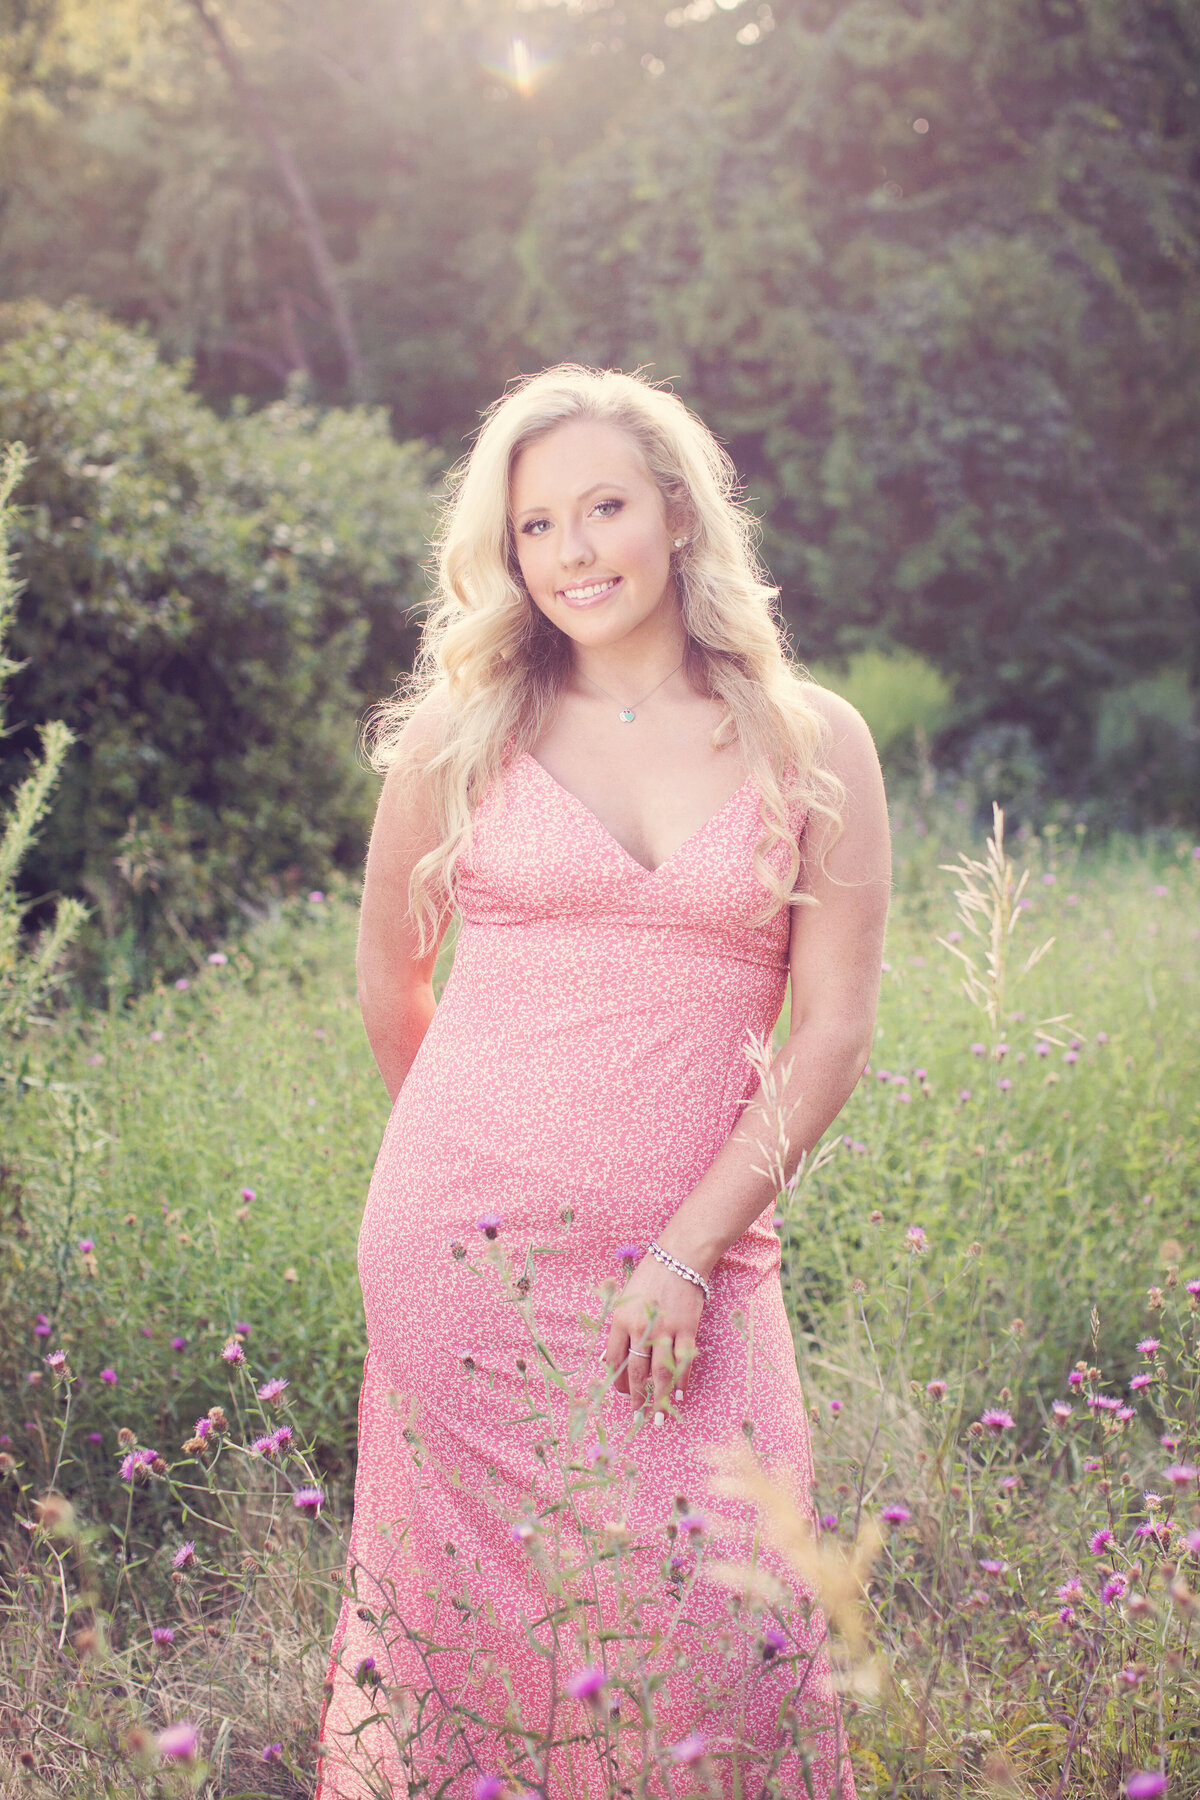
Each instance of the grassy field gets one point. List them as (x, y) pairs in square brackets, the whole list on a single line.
[(1006, 1227)]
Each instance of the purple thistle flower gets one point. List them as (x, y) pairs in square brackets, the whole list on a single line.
[(936, 1388), (42, 1326), (183, 984), (1004, 1085), (1148, 1346), (964, 1093), (233, 1352), (185, 1556), (1145, 1785), (86, 1246), (241, 1327), (489, 1223), (996, 1419), (835, 1407), (218, 958), (689, 1749), (1070, 1056), (271, 1390), (309, 1500), (1049, 879), (95, 1437), (248, 1194), (1067, 1614), (628, 1253), (1192, 1540), (366, 1674), (281, 1437), (990, 1566), (584, 1684), (978, 1049), (896, 1514), (273, 1753), (162, 1634), (1075, 1378), (916, 1240), (179, 1343), (1041, 1048), (774, 1642), (128, 1464), (203, 1427), (178, 1743), (1070, 1588), (1125, 1413), (1061, 1409), (522, 1532), (1113, 1588), (109, 1377), (829, 1522), (263, 1446), (147, 1331), (1179, 1473), (693, 1523), (1140, 1381), (1100, 1542), (57, 1359)]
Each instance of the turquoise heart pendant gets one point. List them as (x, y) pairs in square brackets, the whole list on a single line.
[(627, 717)]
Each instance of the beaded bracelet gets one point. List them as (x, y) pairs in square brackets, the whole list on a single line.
[(672, 1262)]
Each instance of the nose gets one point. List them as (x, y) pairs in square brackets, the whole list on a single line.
[(574, 548)]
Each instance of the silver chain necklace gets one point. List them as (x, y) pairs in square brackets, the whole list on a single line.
[(627, 714)]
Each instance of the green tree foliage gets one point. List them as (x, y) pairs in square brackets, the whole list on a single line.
[(27, 972), (929, 266), (932, 270), (209, 603)]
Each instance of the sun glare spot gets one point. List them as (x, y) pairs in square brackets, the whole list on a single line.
[(523, 70)]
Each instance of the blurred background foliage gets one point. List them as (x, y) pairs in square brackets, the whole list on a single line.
[(929, 269)]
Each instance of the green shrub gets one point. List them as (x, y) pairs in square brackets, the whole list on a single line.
[(209, 604), (903, 698)]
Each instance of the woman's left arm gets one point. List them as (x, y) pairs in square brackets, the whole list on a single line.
[(835, 958)]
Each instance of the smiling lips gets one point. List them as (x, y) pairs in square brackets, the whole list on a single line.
[(588, 595)]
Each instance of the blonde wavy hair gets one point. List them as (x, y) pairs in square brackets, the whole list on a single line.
[(490, 664)]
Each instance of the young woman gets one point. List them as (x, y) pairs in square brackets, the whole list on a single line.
[(647, 821)]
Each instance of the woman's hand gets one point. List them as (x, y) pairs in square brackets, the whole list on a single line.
[(658, 1311)]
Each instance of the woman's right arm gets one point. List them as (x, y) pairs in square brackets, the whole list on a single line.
[(395, 981)]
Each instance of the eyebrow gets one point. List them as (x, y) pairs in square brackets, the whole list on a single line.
[(618, 486)]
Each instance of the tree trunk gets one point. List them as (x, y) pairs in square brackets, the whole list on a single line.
[(298, 193)]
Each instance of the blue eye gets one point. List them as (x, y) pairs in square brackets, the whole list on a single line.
[(528, 527), (617, 503)]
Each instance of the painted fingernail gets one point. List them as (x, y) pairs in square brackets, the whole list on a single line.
[(659, 1417), (679, 1394)]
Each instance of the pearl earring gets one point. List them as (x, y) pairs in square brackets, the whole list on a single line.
[(680, 542)]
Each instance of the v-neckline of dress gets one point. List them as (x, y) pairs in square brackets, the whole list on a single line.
[(616, 843)]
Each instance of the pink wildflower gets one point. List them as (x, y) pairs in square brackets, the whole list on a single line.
[(271, 1390), (178, 1743), (1061, 1409), (689, 1749), (1180, 1473), (273, 1753), (585, 1684), (1100, 1541), (916, 1240), (936, 1388), (233, 1352), (1070, 1588), (997, 1419), (1147, 1784), (1140, 1381), (896, 1514), (162, 1635), (1148, 1346), (217, 958), (86, 1246), (185, 1556), (309, 1500), (1113, 1589), (109, 1377)]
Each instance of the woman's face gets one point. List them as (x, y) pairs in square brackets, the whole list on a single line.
[(592, 534)]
